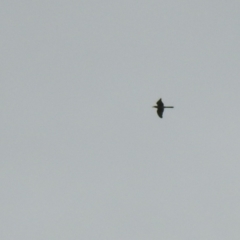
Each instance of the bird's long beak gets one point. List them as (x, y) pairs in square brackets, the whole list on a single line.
[(154, 106)]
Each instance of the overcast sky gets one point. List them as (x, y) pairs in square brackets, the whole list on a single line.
[(83, 155)]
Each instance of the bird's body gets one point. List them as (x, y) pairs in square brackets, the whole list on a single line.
[(160, 108)]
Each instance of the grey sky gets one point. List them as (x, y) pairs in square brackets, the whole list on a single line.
[(83, 153)]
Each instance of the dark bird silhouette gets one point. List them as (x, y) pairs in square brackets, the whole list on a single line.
[(160, 108)]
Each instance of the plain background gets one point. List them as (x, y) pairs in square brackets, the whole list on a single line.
[(83, 155)]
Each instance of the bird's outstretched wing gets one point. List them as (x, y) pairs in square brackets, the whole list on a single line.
[(160, 112), (160, 103)]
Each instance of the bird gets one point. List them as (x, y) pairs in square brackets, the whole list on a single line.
[(160, 107)]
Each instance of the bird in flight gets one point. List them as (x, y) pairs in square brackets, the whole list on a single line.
[(160, 108)]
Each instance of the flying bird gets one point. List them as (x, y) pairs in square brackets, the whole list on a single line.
[(160, 108)]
